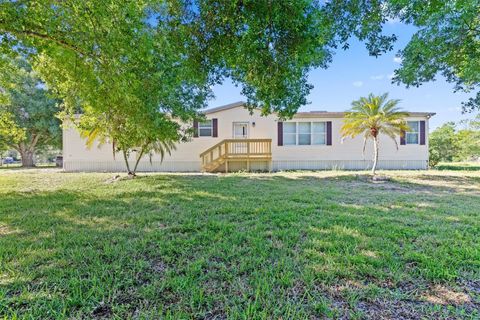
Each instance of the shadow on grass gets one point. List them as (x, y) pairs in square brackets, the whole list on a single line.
[(260, 246)]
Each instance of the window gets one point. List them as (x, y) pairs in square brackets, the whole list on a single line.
[(412, 136), (304, 133), (205, 128), (319, 133), (290, 133)]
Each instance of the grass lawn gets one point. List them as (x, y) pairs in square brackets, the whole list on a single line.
[(241, 246), (465, 166)]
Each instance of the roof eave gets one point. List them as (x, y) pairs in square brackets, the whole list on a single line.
[(312, 114)]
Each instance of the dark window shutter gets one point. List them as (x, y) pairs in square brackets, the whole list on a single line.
[(195, 128), (280, 133), (214, 128), (402, 138), (329, 133), (422, 132)]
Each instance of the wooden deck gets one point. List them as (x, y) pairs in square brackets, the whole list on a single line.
[(248, 150)]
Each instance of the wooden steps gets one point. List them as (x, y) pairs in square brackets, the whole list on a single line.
[(228, 150)]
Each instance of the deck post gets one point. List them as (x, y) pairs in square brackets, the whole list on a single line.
[(248, 156)]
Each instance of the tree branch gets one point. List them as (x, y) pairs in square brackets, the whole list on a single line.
[(34, 142), (38, 35)]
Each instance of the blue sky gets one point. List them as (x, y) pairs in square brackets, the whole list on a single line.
[(354, 73)]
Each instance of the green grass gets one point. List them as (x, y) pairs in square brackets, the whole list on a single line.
[(18, 166), (465, 166), (10, 166), (240, 246)]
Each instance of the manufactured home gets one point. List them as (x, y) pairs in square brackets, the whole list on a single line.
[(231, 139)]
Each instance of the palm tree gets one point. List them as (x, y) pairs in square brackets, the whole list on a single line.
[(149, 147), (372, 116)]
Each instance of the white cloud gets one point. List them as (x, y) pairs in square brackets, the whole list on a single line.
[(358, 84), (377, 77), (391, 75), (397, 59)]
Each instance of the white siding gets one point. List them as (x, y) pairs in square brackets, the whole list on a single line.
[(348, 165), (346, 154), (143, 166)]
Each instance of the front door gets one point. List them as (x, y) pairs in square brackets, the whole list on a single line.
[(240, 130)]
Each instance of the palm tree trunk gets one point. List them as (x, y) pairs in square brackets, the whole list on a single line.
[(375, 155)]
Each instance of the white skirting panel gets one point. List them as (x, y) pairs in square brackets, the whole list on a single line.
[(278, 165), (143, 166)]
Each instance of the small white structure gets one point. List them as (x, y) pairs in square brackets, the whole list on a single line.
[(233, 139)]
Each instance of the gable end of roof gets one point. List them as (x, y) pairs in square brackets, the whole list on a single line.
[(225, 107)]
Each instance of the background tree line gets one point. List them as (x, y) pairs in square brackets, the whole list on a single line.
[(455, 142), (28, 113)]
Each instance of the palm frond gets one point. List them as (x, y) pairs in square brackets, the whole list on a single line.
[(374, 114)]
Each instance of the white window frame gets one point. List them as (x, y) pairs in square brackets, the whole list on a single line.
[(202, 125), (413, 132), (312, 134)]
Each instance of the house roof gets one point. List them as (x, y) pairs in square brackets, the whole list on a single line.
[(225, 107), (326, 114), (309, 114)]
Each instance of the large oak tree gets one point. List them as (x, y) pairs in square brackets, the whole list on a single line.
[(28, 119), (116, 59)]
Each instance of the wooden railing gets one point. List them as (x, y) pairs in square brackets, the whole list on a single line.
[(247, 149)]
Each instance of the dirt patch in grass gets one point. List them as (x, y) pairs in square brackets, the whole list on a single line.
[(391, 309), (446, 296), (406, 301), (102, 311), (448, 182), (6, 230), (158, 266), (366, 182)]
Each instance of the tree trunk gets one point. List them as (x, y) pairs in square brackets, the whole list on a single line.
[(27, 158), (138, 160), (125, 157), (375, 155), (27, 151)]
